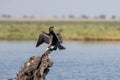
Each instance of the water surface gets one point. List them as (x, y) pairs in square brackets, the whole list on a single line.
[(80, 60)]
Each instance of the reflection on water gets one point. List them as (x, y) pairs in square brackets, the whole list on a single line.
[(80, 60)]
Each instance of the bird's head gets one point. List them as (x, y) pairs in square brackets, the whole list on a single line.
[(51, 29)]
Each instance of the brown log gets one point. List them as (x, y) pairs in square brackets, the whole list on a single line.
[(36, 68)]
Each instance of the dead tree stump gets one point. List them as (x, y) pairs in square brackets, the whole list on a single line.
[(36, 68)]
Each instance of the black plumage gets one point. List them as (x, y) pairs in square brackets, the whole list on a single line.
[(52, 39)]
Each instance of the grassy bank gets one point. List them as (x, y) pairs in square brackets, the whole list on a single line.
[(71, 29)]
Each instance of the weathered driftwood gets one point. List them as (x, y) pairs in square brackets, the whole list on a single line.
[(36, 68)]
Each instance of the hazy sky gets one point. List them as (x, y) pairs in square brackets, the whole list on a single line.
[(50, 8)]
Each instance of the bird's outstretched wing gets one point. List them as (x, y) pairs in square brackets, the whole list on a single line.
[(59, 38), (42, 38), (46, 39)]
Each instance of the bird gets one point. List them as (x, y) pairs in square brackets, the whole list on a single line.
[(54, 40)]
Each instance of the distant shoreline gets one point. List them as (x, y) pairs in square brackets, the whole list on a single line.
[(72, 29), (95, 39), (60, 19)]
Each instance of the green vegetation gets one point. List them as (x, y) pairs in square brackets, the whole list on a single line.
[(71, 29)]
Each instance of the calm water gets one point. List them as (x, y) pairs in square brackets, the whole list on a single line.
[(80, 61)]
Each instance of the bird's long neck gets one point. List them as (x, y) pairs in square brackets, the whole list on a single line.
[(51, 32)]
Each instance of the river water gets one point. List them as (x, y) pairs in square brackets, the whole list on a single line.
[(80, 60)]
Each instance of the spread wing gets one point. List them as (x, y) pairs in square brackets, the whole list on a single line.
[(42, 38), (59, 38)]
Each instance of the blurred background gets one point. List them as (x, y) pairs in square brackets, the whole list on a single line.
[(59, 9), (90, 30)]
